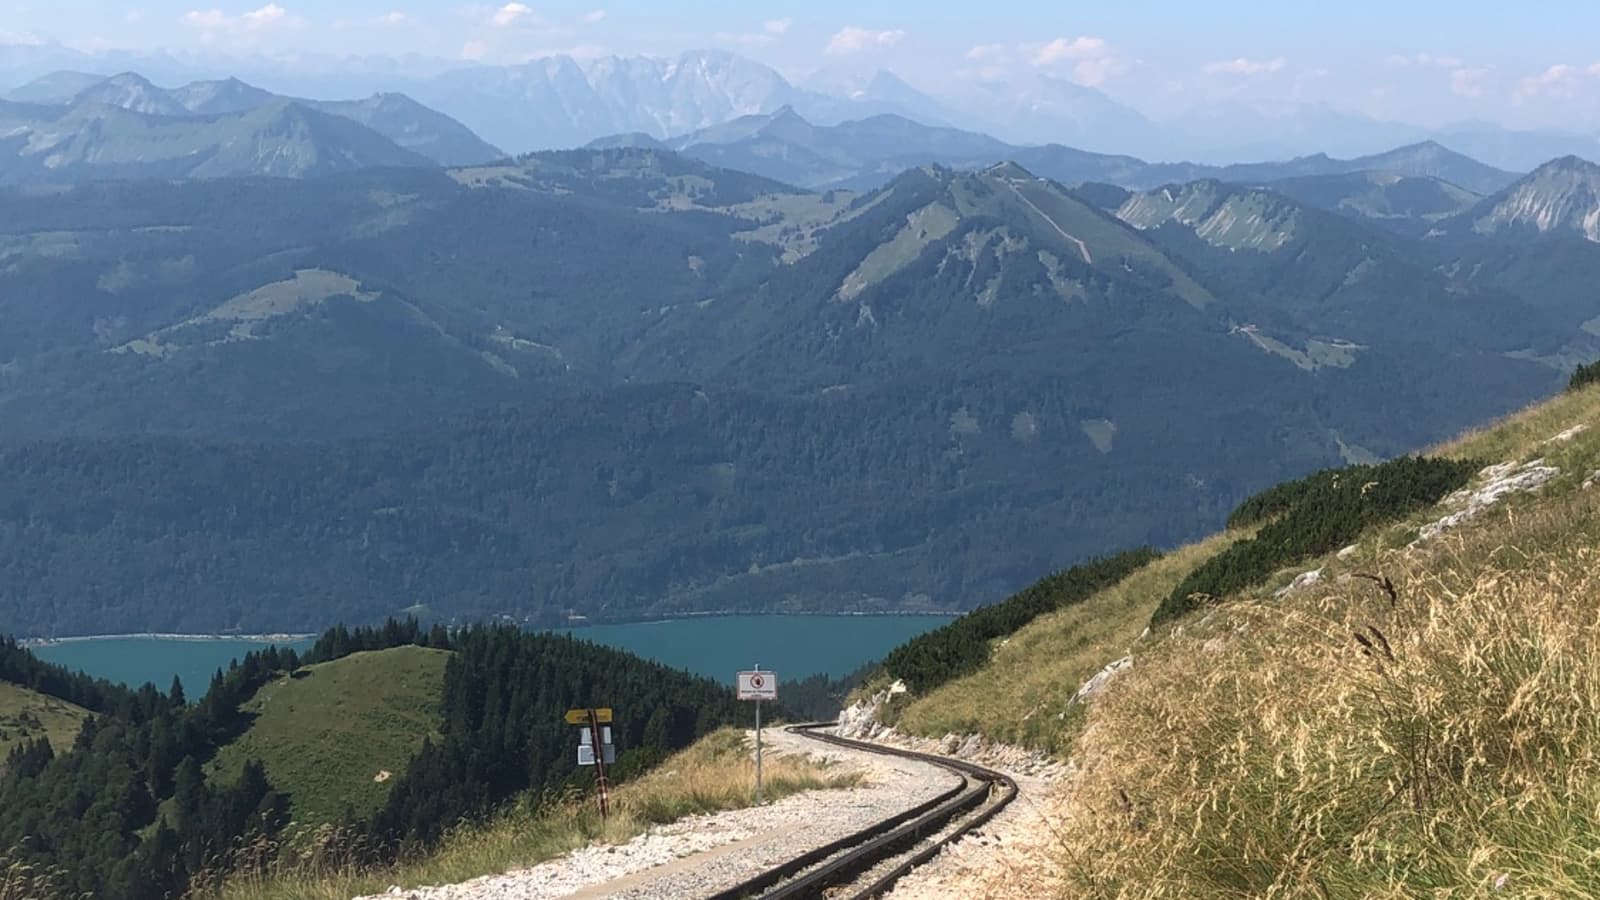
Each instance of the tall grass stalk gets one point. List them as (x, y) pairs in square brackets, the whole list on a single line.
[(1335, 744)]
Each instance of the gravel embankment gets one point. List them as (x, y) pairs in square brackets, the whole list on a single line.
[(695, 857), (1017, 853)]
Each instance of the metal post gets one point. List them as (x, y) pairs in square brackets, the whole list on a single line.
[(758, 745), (599, 764)]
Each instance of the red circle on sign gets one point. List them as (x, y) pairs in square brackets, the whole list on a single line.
[(755, 681)]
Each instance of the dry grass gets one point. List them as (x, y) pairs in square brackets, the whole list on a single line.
[(1021, 696), (24, 881), (1335, 745), (28, 715), (716, 774), (1526, 431)]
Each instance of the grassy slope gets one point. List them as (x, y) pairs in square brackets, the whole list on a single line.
[(717, 773), (326, 737), (1260, 750), (1019, 698), (26, 715)]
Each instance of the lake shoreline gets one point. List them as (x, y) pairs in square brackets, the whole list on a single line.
[(580, 623), (710, 646), (276, 638)]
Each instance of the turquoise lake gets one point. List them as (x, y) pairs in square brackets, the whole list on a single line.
[(717, 647)]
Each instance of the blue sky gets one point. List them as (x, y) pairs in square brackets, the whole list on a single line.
[(1422, 61)]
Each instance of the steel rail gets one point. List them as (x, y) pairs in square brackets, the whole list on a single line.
[(812, 873)]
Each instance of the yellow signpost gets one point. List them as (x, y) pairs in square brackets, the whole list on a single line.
[(596, 740), (581, 716)]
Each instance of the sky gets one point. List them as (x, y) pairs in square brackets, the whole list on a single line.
[(1420, 61)]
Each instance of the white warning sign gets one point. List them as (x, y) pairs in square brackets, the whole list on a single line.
[(758, 685)]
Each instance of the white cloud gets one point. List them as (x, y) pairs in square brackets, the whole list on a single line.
[(214, 23), (851, 39), (265, 17), (1243, 66), (1061, 50), (1425, 61), (1466, 82), (757, 39), (474, 50), (1560, 81), (385, 20), (1092, 60), (990, 53), (20, 39), (510, 14), (595, 17), (209, 19), (770, 31), (1085, 59)]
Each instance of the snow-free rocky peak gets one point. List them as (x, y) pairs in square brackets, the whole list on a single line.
[(132, 92), (1560, 197)]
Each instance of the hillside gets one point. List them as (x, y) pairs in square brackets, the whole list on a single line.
[(335, 736), (782, 401), (397, 117), (1560, 196), (1411, 205), (469, 720), (27, 715), (1423, 698), (96, 140)]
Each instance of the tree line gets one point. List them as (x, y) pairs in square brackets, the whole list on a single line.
[(963, 646), (127, 811), (1312, 516)]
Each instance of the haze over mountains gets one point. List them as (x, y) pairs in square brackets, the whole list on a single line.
[(71, 126), (563, 101), (867, 153)]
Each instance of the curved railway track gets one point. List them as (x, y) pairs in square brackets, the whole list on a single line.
[(867, 863)]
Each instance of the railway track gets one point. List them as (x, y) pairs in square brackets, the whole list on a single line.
[(867, 863)]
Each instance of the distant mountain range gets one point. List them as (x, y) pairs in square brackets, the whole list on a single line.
[(869, 153), (71, 126), (563, 101), (560, 101)]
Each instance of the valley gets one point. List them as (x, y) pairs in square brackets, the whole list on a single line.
[(367, 390), (1213, 476)]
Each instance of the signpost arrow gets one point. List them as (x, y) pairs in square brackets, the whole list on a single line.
[(581, 716), (595, 748)]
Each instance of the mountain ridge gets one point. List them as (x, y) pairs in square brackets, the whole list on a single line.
[(395, 116), (866, 153), (97, 140)]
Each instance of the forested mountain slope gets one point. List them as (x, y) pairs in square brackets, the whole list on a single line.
[(75, 127), (623, 383), (158, 794)]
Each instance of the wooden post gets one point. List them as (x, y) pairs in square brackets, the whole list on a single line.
[(599, 764)]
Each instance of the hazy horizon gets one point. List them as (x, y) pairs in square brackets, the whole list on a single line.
[(1428, 64)]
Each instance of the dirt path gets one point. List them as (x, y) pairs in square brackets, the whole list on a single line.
[(1082, 247)]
